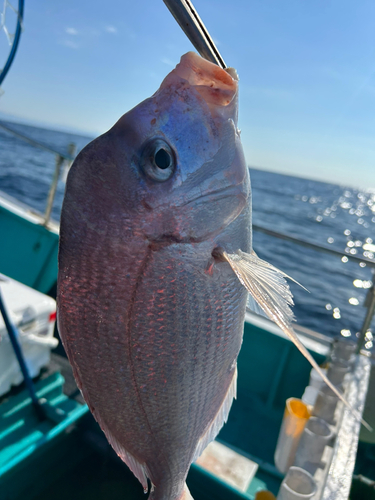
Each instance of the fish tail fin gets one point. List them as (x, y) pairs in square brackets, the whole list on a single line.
[(268, 287), (185, 495)]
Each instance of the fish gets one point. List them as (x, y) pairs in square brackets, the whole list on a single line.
[(155, 269)]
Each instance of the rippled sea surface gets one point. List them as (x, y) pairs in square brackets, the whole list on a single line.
[(339, 217)]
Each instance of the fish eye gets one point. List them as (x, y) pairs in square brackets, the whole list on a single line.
[(158, 160), (162, 159)]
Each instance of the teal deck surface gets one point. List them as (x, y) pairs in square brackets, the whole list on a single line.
[(24, 438)]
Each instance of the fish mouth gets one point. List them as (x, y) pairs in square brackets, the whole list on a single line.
[(217, 86)]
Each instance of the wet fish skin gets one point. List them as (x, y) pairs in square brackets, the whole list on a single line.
[(151, 323)]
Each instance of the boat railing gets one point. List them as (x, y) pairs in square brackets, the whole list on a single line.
[(68, 157), (314, 246), (61, 159), (369, 303)]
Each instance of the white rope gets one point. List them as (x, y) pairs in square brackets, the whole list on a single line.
[(3, 19), (9, 19)]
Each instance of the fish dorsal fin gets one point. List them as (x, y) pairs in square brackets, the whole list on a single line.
[(219, 420), (268, 287)]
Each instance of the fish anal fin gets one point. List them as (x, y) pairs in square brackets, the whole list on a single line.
[(219, 420), (138, 469), (134, 465), (268, 287), (186, 494)]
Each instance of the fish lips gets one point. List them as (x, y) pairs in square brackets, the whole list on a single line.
[(218, 87)]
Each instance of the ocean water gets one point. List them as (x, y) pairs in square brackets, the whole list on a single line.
[(337, 216)]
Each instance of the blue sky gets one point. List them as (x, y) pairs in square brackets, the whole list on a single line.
[(307, 74)]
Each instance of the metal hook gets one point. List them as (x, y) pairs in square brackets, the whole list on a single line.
[(187, 17)]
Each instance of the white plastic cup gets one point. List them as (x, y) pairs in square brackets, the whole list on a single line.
[(315, 379), (315, 437), (295, 417), (325, 404), (298, 484), (337, 370), (344, 348), (310, 395)]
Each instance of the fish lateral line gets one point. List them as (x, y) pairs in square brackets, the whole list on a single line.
[(268, 287)]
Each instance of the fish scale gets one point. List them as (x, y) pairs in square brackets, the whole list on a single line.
[(173, 388), (189, 310), (185, 335)]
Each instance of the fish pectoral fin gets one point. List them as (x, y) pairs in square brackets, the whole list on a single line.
[(268, 287), (220, 418), (253, 307)]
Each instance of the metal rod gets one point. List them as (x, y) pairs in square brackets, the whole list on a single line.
[(37, 144), (313, 246), (370, 298), (56, 176), (52, 190), (192, 25), (13, 336), (370, 304), (43, 408)]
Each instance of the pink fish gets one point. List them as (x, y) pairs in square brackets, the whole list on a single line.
[(155, 265)]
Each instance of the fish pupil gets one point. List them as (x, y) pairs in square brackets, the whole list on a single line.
[(162, 159)]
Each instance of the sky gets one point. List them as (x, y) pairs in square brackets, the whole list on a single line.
[(307, 74)]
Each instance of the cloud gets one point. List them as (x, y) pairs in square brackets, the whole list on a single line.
[(71, 31), (111, 29), (167, 61), (70, 44)]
